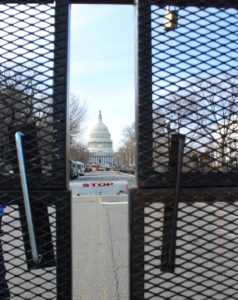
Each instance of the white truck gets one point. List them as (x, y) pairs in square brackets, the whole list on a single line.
[(81, 168)]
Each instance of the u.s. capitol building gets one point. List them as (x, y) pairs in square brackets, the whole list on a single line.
[(100, 145)]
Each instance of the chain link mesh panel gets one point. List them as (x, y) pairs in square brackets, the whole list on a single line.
[(51, 278), (33, 89), (187, 66), (32, 92), (206, 263), (183, 216)]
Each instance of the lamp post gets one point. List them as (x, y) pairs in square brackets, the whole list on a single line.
[(124, 159)]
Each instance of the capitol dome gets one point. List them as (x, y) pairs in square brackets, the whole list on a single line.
[(100, 144)]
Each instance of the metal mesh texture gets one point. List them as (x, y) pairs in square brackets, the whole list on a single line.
[(33, 89), (51, 279), (187, 84), (32, 86), (183, 216), (206, 245)]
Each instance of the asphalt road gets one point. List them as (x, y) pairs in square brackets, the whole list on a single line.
[(112, 175), (104, 175), (100, 242)]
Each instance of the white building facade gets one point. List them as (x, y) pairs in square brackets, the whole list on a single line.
[(100, 145)]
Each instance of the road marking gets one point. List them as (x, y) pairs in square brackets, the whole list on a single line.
[(103, 253), (113, 203)]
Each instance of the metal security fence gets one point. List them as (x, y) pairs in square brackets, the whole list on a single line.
[(183, 216), (203, 264), (50, 278), (35, 248), (33, 90), (187, 84)]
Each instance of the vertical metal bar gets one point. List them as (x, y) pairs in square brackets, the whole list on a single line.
[(144, 118), (35, 255), (137, 244), (63, 208), (63, 248), (172, 245), (61, 90), (171, 206), (144, 138)]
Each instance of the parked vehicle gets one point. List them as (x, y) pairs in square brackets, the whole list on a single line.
[(81, 168), (73, 169)]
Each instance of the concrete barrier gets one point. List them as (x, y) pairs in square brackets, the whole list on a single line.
[(84, 188)]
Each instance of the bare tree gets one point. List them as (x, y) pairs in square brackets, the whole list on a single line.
[(206, 112), (18, 88), (25, 100), (79, 153), (174, 113), (126, 154), (129, 135), (78, 111), (217, 100), (18, 95)]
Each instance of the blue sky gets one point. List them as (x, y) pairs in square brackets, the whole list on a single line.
[(102, 64)]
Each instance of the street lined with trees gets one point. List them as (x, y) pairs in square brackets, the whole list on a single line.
[(78, 115), (125, 157)]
